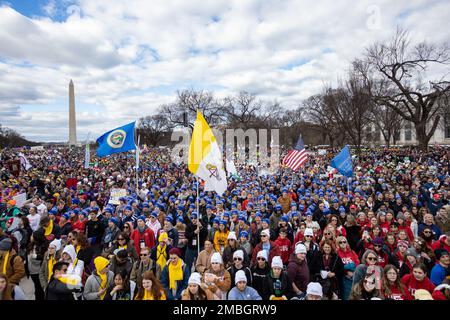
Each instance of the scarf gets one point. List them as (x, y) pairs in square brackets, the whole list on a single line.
[(50, 263), (5, 262), (175, 273), (125, 247), (161, 256), (76, 259), (148, 295), (48, 230)]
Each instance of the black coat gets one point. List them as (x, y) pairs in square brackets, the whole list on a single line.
[(191, 236), (336, 266), (56, 290), (286, 286)]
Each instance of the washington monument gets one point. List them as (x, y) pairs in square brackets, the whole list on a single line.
[(72, 118)]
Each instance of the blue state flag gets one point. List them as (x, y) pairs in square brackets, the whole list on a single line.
[(342, 162), (120, 139)]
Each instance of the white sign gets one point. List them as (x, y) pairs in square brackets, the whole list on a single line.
[(20, 199), (322, 152), (116, 194), (37, 148)]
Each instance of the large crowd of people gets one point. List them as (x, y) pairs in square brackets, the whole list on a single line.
[(309, 235)]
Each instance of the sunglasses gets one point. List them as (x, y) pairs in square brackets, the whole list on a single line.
[(144, 254), (377, 245), (263, 236), (261, 259), (237, 259), (342, 242), (327, 234), (126, 227), (428, 232), (308, 236), (371, 258), (120, 239), (369, 282)]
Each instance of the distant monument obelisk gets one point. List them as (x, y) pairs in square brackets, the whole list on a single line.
[(72, 118)]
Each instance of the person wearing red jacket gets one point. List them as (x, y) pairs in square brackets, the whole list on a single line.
[(402, 225), (391, 287), (441, 292), (80, 224), (142, 236), (267, 245), (418, 279), (284, 245), (377, 246), (344, 251), (442, 243)]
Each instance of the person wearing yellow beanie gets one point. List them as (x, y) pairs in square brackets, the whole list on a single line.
[(99, 282)]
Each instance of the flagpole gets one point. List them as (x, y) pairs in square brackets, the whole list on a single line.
[(138, 154), (198, 220)]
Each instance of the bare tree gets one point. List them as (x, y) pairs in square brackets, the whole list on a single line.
[(387, 121), (318, 112), (242, 110), (403, 68), (152, 128), (190, 101)]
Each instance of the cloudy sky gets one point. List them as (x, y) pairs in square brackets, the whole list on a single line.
[(127, 57)]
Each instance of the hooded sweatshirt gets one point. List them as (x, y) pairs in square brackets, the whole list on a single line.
[(76, 266), (412, 284)]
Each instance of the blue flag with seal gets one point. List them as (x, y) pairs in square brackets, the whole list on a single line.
[(342, 162), (120, 139)]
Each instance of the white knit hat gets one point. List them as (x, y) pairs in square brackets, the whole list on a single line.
[(240, 276), (262, 254), (195, 278), (266, 232), (314, 288), (300, 248), (277, 262), (56, 243), (309, 232), (216, 258), (238, 254), (232, 235)]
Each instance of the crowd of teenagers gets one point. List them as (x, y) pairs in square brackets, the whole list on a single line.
[(308, 235)]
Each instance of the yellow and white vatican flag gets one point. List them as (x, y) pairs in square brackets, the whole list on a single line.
[(205, 157)]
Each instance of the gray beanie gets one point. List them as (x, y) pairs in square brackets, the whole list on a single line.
[(401, 216), (6, 244), (412, 252)]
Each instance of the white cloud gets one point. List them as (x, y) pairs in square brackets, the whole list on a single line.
[(121, 54)]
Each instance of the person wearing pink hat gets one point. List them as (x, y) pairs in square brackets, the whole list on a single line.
[(175, 275)]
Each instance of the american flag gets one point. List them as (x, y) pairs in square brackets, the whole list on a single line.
[(297, 156)]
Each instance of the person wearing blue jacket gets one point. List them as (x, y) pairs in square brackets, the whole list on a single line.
[(441, 269), (241, 291), (175, 275)]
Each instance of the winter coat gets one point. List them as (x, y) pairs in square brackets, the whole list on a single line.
[(298, 272), (181, 284), (144, 239), (259, 281), (138, 270), (273, 251), (285, 286), (15, 269), (335, 265), (203, 261), (248, 294), (227, 255), (248, 274), (56, 290), (92, 286), (222, 285)]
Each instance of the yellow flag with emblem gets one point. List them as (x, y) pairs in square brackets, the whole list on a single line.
[(205, 157)]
